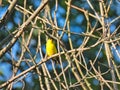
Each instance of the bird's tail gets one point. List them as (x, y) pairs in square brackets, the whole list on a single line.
[(56, 60)]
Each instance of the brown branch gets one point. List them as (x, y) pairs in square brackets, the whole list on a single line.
[(5, 18), (22, 29)]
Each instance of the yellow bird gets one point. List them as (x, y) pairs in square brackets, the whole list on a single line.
[(51, 49)]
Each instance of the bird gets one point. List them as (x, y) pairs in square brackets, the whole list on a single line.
[(51, 49)]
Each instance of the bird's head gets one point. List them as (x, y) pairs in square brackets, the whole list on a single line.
[(50, 40)]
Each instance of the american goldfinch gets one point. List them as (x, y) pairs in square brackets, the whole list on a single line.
[(51, 49)]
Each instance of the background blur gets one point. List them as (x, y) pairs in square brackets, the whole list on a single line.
[(89, 29)]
